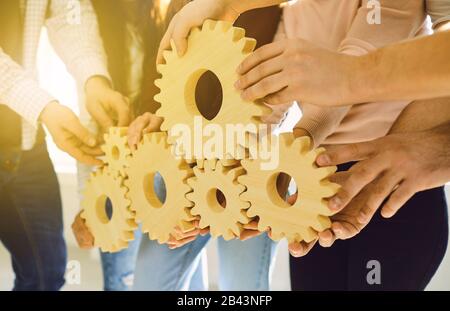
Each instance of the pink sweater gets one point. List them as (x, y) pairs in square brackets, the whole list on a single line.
[(342, 25)]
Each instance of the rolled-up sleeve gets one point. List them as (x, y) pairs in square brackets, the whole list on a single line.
[(20, 91)]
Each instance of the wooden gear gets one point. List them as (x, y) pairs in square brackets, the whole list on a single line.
[(308, 215), (225, 221), (159, 219), (113, 234), (219, 48), (116, 150)]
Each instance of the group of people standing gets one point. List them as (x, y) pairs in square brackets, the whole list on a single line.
[(362, 94)]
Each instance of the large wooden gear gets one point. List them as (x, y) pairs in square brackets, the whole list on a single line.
[(309, 214), (112, 233), (116, 150), (159, 219), (223, 218), (217, 47)]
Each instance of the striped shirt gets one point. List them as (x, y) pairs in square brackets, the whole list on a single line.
[(73, 31)]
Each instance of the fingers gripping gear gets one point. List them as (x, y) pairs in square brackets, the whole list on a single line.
[(111, 232), (217, 47), (158, 218), (308, 215), (224, 214)]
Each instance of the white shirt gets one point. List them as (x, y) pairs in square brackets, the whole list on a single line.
[(78, 44)]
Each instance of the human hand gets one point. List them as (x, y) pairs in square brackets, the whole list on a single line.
[(391, 168), (180, 238), (69, 135), (193, 15), (295, 69), (146, 123), (107, 107), (81, 232)]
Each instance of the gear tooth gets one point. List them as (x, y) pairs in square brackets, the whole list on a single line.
[(237, 33), (328, 189), (202, 223), (208, 166), (325, 172), (186, 226), (262, 224), (197, 171), (275, 234), (223, 26), (188, 215), (158, 98), (321, 223), (243, 218), (234, 173), (245, 196), (213, 232), (127, 236), (308, 234), (303, 144), (247, 45), (159, 83), (243, 180), (132, 224), (229, 235), (209, 25), (195, 211), (195, 31), (168, 56), (190, 196), (251, 212), (161, 68)]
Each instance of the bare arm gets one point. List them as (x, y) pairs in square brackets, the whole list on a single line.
[(422, 115), (417, 69)]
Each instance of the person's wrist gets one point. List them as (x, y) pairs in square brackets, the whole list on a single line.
[(97, 82), (238, 7), (46, 113)]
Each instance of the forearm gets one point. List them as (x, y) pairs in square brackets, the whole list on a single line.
[(242, 6), (418, 69), (423, 115)]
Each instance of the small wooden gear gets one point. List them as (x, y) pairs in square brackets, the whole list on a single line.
[(111, 232), (159, 219), (309, 214), (116, 151), (224, 218)]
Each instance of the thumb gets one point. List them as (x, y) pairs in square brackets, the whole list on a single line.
[(78, 130)]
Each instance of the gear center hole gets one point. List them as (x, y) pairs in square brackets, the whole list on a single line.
[(208, 96), (282, 182), (217, 200), (115, 153), (155, 189), (104, 209)]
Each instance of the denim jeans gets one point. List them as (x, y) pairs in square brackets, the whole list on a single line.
[(118, 268), (31, 226), (244, 265)]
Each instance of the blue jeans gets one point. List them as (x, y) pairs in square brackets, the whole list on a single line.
[(244, 265), (31, 226), (118, 268)]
